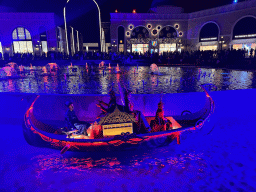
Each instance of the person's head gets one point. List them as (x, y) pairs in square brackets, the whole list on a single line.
[(70, 105)]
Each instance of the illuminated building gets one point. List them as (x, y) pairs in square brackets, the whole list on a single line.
[(35, 33), (167, 28)]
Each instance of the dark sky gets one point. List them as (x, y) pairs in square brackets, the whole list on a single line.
[(83, 14)]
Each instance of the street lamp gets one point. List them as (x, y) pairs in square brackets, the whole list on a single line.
[(65, 23), (64, 12)]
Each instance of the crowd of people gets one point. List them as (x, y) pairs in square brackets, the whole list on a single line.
[(220, 58)]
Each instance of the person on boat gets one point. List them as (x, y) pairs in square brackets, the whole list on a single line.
[(73, 123), (160, 123), (127, 100), (109, 107)]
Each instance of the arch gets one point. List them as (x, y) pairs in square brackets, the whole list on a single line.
[(140, 32), (22, 41), (209, 31), (244, 28), (121, 34), (168, 31)]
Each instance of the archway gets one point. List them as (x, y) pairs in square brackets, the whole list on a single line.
[(167, 35), (209, 35), (22, 42), (244, 34), (138, 36)]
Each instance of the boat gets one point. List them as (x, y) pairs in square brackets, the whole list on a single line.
[(43, 134)]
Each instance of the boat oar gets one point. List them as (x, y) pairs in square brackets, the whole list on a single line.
[(64, 150)]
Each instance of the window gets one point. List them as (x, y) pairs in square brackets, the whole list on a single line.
[(22, 42), (141, 48)]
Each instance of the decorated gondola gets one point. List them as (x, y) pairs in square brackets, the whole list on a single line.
[(114, 130)]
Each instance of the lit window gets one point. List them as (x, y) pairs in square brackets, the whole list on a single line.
[(22, 42)]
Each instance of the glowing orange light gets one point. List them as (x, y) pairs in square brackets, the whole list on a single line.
[(134, 11), (116, 11)]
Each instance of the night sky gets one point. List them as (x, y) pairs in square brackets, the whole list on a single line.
[(83, 14)]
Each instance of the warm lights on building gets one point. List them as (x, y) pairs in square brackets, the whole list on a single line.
[(158, 27), (154, 32), (116, 11), (128, 33), (131, 27), (149, 26), (134, 11)]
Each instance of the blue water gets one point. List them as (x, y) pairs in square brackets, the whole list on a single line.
[(221, 157), (138, 79)]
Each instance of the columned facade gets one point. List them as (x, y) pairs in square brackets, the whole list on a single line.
[(167, 28)]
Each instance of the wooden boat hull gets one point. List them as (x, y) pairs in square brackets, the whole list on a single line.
[(34, 135)]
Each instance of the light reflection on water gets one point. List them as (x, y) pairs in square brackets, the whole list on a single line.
[(161, 161), (99, 81)]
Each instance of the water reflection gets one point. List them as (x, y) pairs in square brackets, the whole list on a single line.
[(92, 80), (160, 161)]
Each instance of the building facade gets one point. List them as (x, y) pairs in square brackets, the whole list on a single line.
[(34, 33), (168, 28)]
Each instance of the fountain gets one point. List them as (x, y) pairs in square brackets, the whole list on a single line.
[(51, 68), (117, 68), (44, 70), (154, 69), (102, 64), (31, 67), (7, 72), (13, 65), (21, 68)]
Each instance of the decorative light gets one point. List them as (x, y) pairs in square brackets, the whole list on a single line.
[(134, 11), (159, 27), (128, 33), (131, 27), (116, 11), (180, 33), (154, 32), (149, 26), (176, 26), (235, 1)]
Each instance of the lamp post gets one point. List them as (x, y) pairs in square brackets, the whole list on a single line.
[(99, 25), (65, 23), (64, 12)]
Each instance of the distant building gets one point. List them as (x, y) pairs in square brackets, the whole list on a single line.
[(167, 28), (106, 46), (35, 33)]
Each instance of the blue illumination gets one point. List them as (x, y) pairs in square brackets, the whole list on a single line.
[(235, 1)]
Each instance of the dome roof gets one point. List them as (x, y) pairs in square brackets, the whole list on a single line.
[(156, 3)]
